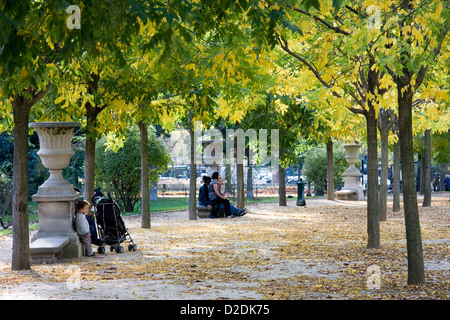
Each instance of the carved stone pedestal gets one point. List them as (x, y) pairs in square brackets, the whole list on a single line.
[(352, 189), (56, 197)]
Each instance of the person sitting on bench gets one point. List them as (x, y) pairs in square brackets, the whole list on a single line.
[(203, 198), (216, 197)]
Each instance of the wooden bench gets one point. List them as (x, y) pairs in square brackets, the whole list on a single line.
[(48, 249)]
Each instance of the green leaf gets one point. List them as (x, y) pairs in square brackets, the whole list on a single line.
[(308, 4), (292, 27), (337, 5)]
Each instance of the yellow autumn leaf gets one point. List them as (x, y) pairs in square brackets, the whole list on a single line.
[(438, 11), (23, 74), (59, 99)]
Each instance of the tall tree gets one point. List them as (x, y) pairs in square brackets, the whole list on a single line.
[(148, 76), (427, 173), (27, 60), (346, 70), (29, 54), (396, 196), (221, 78), (294, 121), (386, 121), (415, 27), (330, 171)]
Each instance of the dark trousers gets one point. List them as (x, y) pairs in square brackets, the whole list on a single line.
[(216, 204), (93, 230)]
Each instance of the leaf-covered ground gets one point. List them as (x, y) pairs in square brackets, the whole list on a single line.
[(313, 252)]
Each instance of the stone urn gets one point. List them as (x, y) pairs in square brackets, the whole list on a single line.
[(352, 189), (55, 152), (352, 158), (56, 197)]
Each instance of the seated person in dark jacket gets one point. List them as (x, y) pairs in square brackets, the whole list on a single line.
[(203, 198)]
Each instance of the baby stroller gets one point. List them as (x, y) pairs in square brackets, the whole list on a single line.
[(110, 226)]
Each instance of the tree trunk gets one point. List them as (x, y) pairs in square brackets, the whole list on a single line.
[(129, 204), (386, 120), (373, 213), (416, 270), (422, 174), (427, 170), (396, 203), (192, 174), (281, 186), (250, 182), (330, 172), (20, 245), (384, 134), (240, 193), (418, 175), (228, 185), (89, 158), (145, 189)]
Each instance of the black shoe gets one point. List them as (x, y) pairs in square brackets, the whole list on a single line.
[(243, 212), (213, 217)]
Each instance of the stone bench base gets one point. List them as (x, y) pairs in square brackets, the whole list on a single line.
[(349, 194), (48, 249), (204, 212)]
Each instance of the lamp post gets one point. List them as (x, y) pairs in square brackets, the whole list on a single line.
[(300, 185)]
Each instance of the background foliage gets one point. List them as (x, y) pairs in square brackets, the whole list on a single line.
[(315, 167), (120, 173)]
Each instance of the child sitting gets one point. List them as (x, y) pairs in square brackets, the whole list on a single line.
[(82, 226)]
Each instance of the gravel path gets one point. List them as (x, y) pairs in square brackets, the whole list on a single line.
[(271, 253)]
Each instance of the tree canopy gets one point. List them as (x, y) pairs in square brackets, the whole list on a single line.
[(119, 63)]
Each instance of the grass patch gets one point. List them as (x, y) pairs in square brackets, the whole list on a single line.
[(9, 231), (182, 203)]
